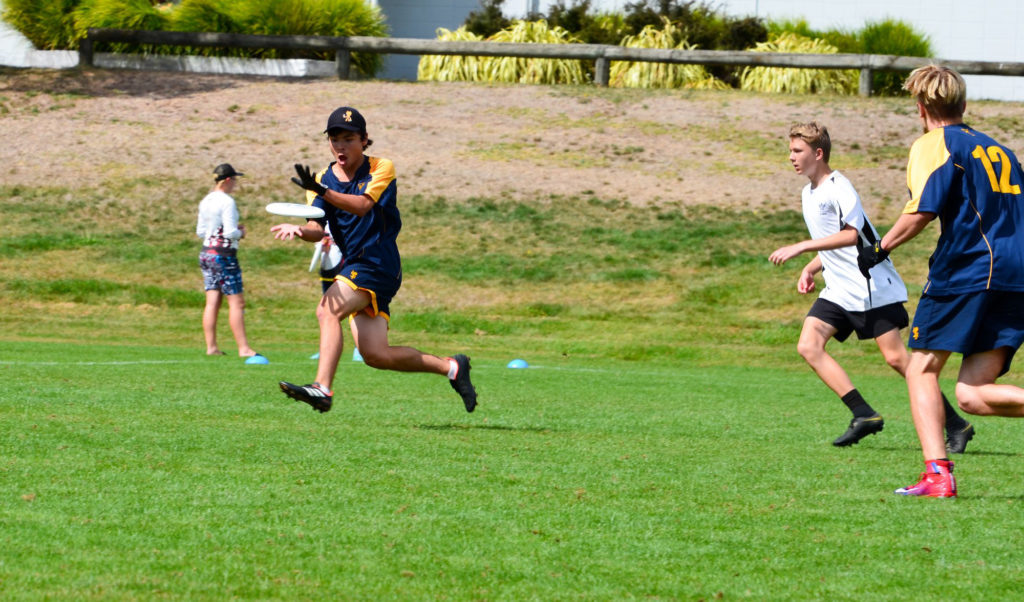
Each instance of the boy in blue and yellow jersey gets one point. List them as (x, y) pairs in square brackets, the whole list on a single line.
[(358, 194), (973, 302)]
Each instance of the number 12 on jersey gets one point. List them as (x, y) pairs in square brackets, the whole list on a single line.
[(995, 154)]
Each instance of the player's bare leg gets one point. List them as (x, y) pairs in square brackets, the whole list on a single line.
[(338, 302), (813, 338), (213, 299), (236, 318), (894, 351), (371, 336), (926, 400), (811, 346), (977, 392), (926, 407)]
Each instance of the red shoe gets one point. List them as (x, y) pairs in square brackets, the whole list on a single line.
[(936, 481)]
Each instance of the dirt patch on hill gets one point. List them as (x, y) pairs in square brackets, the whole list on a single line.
[(455, 140)]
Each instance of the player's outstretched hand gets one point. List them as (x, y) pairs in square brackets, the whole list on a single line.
[(784, 254), (286, 231), (307, 181), (869, 256)]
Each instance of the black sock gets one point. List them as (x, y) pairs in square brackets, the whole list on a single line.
[(954, 421), (857, 405)]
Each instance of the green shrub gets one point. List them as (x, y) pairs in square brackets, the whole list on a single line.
[(892, 37), (122, 14), (488, 21), (702, 25), (882, 37), (587, 26), (793, 80), (59, 24), (48, 24), (209, 15), (315, 17)]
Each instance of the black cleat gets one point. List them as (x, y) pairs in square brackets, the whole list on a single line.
[(314, 394), (860, 428), (462, 384), (956, 440)]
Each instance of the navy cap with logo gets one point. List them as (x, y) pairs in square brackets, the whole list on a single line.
[(225, 171), (346, 118)]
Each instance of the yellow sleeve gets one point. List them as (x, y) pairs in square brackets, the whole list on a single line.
[(382, 172), (927, 155)]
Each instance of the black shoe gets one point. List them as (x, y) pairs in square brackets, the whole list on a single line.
[(314, 394), (462, 384), (956, 439), (860, 428)]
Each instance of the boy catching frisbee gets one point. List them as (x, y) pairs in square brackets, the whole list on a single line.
[(358, 194)]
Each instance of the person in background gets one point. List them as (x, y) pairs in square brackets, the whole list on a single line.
[(222, 276)]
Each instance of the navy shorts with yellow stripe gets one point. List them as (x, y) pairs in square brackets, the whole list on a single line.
[(382, 287), (970, 323)]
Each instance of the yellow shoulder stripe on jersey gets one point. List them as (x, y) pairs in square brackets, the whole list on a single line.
[(382, 172), (928, 154)]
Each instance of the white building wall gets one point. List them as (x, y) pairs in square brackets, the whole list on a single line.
[(419, 19)]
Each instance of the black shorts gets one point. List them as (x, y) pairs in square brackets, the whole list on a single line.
[(867, 324)]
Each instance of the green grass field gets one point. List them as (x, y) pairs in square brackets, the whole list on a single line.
[(666, 443), (127, 474)]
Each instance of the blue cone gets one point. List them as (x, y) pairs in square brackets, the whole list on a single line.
[(257, 359), (518, 364), (356, 356)]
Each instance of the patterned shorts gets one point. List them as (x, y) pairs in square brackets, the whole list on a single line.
[(221, 272)]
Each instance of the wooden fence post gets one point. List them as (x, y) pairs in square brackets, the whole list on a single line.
[(602, 71), (342, 63), (864, 86), (85, 58)]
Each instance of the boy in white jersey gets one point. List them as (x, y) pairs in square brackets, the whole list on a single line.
[(872, 307)]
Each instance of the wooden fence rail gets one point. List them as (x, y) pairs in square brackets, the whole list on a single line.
[(602, 54)]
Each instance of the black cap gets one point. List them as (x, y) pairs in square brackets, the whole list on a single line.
[(225, 171), (346, 118)]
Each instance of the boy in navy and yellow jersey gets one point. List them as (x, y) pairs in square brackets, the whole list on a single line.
[(973, 302), (358, 194)]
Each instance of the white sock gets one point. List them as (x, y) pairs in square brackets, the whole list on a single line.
[(453, 369)]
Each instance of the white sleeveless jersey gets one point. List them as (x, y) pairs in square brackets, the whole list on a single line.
[(827, 209)]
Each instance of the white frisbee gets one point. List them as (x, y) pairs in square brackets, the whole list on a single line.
[(295, 210)]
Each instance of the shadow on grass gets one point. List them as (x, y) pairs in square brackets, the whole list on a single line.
[(482, 427), (95, 82)]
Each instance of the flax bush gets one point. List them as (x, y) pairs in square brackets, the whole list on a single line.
[(505, 69), (798, 81), (660, 75), (447, 68), (531, 70)]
